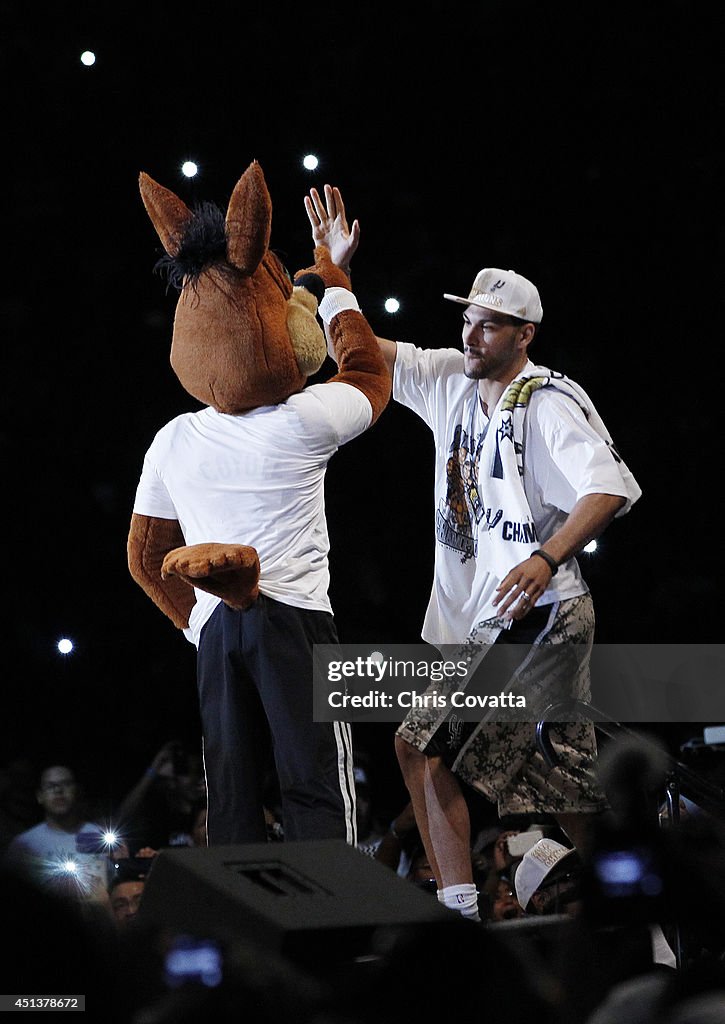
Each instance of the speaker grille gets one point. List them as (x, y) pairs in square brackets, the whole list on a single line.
[(278, 879)]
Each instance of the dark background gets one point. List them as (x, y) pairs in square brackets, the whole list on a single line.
[(579, 144)]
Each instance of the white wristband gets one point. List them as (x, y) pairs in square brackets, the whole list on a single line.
[(334, 301)]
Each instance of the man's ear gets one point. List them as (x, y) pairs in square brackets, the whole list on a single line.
[(528, 332)]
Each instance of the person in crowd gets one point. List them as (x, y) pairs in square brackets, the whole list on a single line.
[(547, 879), (64, 852), (125, 890), (160, 809)]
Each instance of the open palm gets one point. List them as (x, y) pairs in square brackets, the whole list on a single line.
[(330, 227)]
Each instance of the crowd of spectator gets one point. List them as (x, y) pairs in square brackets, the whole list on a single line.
[(633, 931)]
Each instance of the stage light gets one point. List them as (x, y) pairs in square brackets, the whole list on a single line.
[(591, 547), (392, 305), (88, 58), (310, 162), (189, 169), (65, 646)]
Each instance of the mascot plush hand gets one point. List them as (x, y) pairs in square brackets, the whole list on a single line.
[(245, 337)]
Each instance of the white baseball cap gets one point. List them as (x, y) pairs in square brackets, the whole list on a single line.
[(505, 291), (535, 865)]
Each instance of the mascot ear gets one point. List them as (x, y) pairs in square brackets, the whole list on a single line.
[(249, 221), (169, 214)]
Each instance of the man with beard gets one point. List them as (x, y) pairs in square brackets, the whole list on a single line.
[(526, 475)]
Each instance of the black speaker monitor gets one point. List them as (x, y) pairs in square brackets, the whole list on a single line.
[(305, 900)]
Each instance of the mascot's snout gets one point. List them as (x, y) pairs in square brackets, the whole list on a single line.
[(313, 283)]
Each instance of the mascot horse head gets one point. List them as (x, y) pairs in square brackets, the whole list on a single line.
[(244, 336)]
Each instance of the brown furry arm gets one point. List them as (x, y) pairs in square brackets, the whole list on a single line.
[(356, 349), (359, 359), (332, 276), (149, 541)]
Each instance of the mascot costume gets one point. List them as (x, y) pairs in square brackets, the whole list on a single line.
[(228, 535)]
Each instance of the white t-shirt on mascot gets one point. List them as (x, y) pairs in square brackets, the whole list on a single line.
[(256, 478)]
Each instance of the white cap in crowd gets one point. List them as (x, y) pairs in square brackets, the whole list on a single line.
[(536, 864)]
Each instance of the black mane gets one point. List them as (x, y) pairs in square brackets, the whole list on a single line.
[(204, 242)]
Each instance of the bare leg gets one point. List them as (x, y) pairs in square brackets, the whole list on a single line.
[(441, 814)]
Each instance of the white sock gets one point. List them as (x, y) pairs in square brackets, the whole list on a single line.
[(463, 898)]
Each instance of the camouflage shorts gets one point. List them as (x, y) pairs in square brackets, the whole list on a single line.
[(501, 759)]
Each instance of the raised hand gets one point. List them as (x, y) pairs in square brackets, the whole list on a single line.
[(330, 227)]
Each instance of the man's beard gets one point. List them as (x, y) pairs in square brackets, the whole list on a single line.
[(477, 369)]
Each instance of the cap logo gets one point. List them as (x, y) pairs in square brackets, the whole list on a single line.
[(499, 284), (547, 856), (492, 300)]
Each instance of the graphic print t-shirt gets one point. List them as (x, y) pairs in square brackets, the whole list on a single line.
[(564, 460)]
